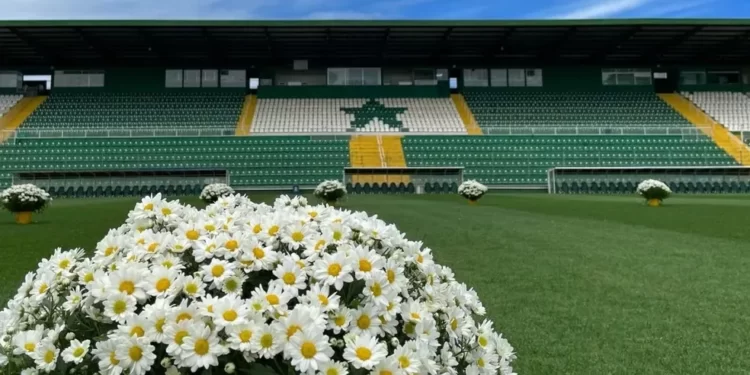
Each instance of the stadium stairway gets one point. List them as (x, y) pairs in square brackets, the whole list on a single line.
[(716, 131), (18, 114), (364, 151), (393, 154), (470, 123), (245, 121)]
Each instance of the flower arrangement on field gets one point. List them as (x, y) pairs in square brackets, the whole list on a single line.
[(472, 190), (212, 192), (245, 287), (654, 191), (330, 191), (24, 198)]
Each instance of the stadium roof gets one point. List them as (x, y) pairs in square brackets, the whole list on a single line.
[(265, 43)]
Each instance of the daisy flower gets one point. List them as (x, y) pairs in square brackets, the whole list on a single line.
[(297, 235), (217, 271), (388, 366), (309, 350), (299, 319), (76, 352), (45, 355), (175, 334), (106, 354), (119, 306), (333, 368), (156, 319), (365, 320), (232, 285), (291, 276), (406, 359), (136, 355), (333, 269), (274, 298), (201, 349), (163, 282), (240, 335), (267, 341), (130, 280), (74, 299), (340, 320), (377, 288), (184, 311), (192, 287), (365, 351), (25, 342), (205, 248), (321, 297), (366, 262), (229, 311)]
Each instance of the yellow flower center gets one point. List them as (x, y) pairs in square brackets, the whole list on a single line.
[(259, 253), (403, 361), (137, 332), (454, 324), (334, 269), (298, 236), (409, 328), (246, 335), (191, 288), (152, 247), (180, 336), (148, 206), (308, 350), (385, 372), (201, 347), (340, 320), (482, 341), (29, 346), (363, 354), (323, 299), (319, 245), (109, 251), (166, 211), (376, 290), (229, 315), (49, 356), (217, 270), (272, 299), (266, 341), (313, 214), (113, 360), (289, 278), (332, 371), (292, 330), (127, 287), (159, 325), (273, 230), (43, 288), (119, 307), (192, 234), (135, 353), (231, 245), (337, 235), (64, 264), (231, 285), (183, 316), (415, 316), (162, 285), (209, 227), (88, 277), (420, 258), (257, 228), (391, 275), (363, 322), (365, 265)]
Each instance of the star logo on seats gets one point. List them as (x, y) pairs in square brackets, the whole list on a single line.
[(372, 110)]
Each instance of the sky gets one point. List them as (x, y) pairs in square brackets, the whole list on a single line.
[(371, 9)]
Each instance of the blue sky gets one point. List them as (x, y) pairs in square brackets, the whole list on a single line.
[(371, 9)]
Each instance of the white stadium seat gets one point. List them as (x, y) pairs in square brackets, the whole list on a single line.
[(422, 115), (731, 109), (7, 102)]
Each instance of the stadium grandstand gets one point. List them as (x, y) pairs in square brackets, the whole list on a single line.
[(127, 107)]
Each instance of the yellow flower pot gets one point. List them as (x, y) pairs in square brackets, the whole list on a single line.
[(23, 218), (654, 202), (472, 202)]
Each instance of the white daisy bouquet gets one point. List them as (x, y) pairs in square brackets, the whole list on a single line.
[(24, 198), (330, 191), (212, 192), (654, 190), (472, 190), (245, 287)]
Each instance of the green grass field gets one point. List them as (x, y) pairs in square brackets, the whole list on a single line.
[(579, 284)]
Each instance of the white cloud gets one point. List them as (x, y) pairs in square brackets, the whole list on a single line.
[(676, 9), (594, 9), (128, 9)]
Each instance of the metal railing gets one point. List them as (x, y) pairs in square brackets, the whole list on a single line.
[(118, 132)]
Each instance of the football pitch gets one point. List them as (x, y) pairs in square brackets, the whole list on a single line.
[(578, 284)]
